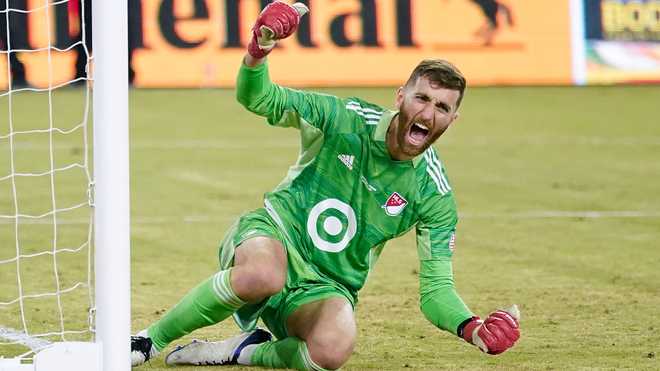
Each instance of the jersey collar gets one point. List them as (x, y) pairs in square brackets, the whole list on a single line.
[(381, 131)]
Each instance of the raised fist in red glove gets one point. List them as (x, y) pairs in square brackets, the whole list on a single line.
[(278, 20), (497, 333)]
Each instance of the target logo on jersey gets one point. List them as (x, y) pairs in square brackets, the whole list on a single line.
[(395, 204), (340, 218)]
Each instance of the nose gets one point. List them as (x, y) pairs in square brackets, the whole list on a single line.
[(427, 113)]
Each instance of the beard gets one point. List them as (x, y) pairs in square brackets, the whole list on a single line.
[(403, 132)]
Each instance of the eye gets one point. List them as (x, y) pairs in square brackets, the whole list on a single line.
[(442, 108)]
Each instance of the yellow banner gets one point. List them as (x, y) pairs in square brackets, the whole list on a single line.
[(200, 43)]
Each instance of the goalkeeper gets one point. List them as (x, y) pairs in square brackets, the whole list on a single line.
[(365, 175)]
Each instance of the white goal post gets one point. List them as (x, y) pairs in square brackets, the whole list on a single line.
[(111, 174), (108, 309)]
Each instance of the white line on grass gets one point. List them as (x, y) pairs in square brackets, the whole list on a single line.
[(200, 179), (536, 214), (543, 214), (172, 145), (476, 141), (16, 337)]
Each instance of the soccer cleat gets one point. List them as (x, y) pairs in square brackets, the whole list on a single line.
[(142, 349), (207, 353)]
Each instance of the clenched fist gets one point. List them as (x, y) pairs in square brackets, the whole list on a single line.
[(497, 333), (277, 21)]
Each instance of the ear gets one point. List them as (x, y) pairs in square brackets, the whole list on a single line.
[(453, 119), (399, 97)]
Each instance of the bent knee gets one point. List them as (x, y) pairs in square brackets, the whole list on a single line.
[(259, 269), (267, 280), (258, 282), (331, 354)]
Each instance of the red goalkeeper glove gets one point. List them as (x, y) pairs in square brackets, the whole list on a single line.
[(278, 20), (497, 333)]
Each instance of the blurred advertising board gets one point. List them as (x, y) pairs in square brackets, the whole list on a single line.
[(622, 41), (360, 42), (200, 43)]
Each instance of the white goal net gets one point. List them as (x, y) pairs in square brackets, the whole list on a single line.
[(46, 203), (47, 229)]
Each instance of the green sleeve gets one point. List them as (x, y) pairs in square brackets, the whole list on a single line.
[(439, 300), (436, 232), (436, 229), (283, 106)]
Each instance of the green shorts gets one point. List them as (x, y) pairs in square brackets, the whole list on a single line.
[(303, 285)]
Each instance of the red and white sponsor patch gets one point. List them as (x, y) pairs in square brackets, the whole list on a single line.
[(395, 204)]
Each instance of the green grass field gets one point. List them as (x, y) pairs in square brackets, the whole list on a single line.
[(558, 192)]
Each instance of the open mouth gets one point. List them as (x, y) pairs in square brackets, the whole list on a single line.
[(417, 133)]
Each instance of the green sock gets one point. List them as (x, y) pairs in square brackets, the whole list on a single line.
[(290, 352), (210, 302)]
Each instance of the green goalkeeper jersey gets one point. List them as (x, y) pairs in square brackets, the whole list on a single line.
[(346, 197)]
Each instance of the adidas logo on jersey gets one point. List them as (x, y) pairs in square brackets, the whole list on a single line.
[(347, 160)]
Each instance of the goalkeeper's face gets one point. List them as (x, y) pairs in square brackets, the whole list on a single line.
[(426, 110)]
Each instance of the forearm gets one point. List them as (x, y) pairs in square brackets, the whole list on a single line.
[(439, 301), (254, 89)]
